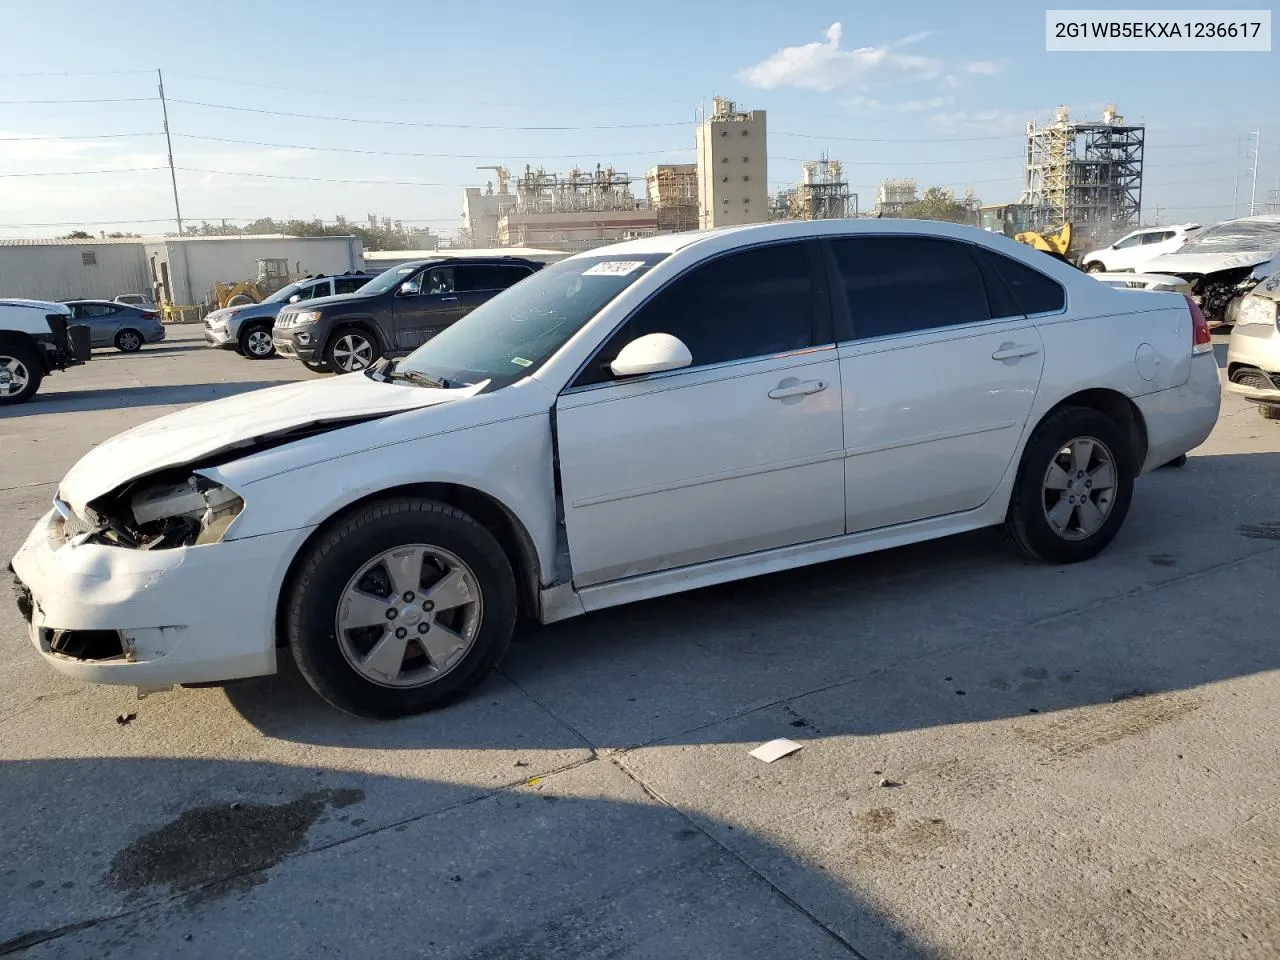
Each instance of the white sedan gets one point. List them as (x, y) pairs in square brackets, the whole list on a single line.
[(637, 420)]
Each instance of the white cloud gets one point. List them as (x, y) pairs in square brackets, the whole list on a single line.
[(869, 107), (824, 66), (988, 68), (1011, 122)]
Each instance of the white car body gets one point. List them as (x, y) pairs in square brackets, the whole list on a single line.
[(1143, 281), (624, 490), (1139, 247)]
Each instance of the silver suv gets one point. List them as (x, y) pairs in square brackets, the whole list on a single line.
[(247, 329), (1253, 354)]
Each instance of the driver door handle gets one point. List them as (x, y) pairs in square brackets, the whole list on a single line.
[(447, 299), (1010, 351), (797, 389)]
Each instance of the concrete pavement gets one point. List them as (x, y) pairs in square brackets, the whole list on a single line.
[(1085, 759)]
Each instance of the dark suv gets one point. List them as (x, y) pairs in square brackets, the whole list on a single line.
[(394, 313)]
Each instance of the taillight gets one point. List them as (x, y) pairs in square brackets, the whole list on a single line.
[(150, 315), (1201, 339)]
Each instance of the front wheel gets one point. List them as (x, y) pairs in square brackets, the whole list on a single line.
[(1093, 266), (316, 366), (351, 350), (1073, 487), (128, 341), (402, 607), (20, 373), (255, 342)]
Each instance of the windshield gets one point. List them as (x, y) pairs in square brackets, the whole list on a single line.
[(283, 294), (1237, 236), (512, 335), (391, 278)]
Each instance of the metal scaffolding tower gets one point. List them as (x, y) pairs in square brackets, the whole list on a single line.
[(1087, 173), (822, 193)]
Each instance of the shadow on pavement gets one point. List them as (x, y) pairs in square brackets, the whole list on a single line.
[(950, 632), (165, 346), (160, 858), (79, 401)]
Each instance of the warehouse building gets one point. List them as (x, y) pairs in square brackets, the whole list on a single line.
[(175, 270), (49, 269)]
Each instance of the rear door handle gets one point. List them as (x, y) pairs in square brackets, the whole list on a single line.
[(447, 299), (796, 388), (1010, 351)]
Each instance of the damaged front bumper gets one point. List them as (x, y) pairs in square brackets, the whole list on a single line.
[(151, 618)]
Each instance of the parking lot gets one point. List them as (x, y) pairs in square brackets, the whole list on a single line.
[(1000, 759)]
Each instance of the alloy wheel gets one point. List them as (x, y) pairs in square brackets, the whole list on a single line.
[(14, 376), (352, 352), (1079, 488), (259, 343), (409, 616)]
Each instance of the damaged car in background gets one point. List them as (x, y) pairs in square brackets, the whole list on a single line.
[(631, 422), (1221, 263), (1253, 353)]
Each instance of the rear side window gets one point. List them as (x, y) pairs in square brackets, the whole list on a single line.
[(475, 277), (1031, 289), (897, 285), (349, 284), (512, 275)]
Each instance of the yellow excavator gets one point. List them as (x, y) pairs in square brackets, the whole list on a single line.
[(1014, 221), (273, 273)]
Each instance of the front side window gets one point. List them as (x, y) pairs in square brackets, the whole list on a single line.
[(511, 335), (438, 280), (1128, 242), (897, 285), (754, 303)]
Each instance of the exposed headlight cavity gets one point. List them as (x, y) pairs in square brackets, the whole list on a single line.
[(161, 514)]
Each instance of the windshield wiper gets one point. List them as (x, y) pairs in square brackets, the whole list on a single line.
[(421, 379)]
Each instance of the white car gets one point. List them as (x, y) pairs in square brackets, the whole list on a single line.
[(1135, 249), (633, 421), (1144, 281), (1222, 263)]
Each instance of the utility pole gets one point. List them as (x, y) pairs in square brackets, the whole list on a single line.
[(1235, 191), (1257, 155), (173, 177)]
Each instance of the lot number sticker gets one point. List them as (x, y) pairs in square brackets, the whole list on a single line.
[(613, 268)]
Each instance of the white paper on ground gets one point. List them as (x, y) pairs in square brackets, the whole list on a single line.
[(775, 749)]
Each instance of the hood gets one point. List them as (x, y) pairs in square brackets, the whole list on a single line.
[(1203, 263), (249, 309), (48, 306), (218, 426), (322, 302)]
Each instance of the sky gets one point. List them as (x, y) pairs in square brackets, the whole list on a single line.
[(321, 109)]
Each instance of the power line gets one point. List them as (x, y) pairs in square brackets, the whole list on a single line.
[(81, 173), (71, 73), (98, 100), (87, 136), (403, 153), (374, 182), (900, 163), (437, 100), (820, 136), (415, 123)]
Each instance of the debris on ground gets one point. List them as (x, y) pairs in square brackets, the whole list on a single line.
[(125, 718), (775, 749), (886, 782)]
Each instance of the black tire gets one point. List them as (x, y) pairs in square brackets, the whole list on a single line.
[(1179, 461), (1025, 522), (1093, 266), (128, 341), (1269, 411), (311, 605), (348, 338), (251, 343), (18, 358)]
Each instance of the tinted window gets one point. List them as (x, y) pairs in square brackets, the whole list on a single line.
[(320, 289), (1158, 237), (438, 280), (469, 277), (94, 310), (906, 284), (513, 275), (1033, 291), (750, 304), (349, 284), (1128, 242)]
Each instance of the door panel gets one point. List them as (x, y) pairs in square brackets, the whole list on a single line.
[(932, 420), (419, 318), (701, 464)]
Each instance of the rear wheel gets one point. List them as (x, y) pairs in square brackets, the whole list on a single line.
[(255, 342), (1073, 487), (350, 350), (404, 606), (1093, 266), (20, 373), (128, 341)]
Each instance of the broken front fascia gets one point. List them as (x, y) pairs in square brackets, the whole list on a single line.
[(155, 513)]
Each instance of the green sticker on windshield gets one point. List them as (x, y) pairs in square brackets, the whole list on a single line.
[(521, 361)]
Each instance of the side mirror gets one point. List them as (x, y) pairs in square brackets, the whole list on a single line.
[(295, 298), (652, 353), (410, 288)]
